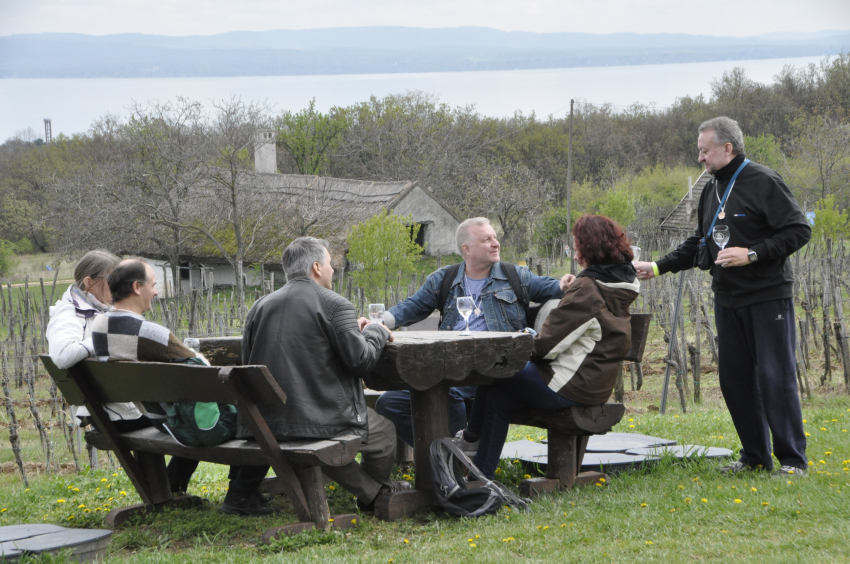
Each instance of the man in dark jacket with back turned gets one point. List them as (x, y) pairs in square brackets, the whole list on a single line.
[(753, 304), (317, 350)]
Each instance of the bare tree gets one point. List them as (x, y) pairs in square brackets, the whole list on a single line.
[(227, 220), (823, 142)]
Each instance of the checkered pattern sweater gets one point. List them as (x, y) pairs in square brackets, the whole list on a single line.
[(123, 335)]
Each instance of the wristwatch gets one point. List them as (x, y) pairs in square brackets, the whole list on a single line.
[(752, 256)]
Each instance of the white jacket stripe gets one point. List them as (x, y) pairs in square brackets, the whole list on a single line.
[(576, 347)]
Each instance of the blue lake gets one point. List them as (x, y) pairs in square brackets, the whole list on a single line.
[(73, 104)]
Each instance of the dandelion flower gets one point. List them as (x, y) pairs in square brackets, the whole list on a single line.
[(103, 480), (704, 500), (4, 510), (60, 501), (737, 501), (765, 503), (406, 541), (331, 487), (649, 542), (643, 504), (527, 476), (753, 490)]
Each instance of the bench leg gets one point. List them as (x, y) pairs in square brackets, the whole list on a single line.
[(121, 515), (313, 486), (566, 453), (338, 523), (564, 458), (156, 475)]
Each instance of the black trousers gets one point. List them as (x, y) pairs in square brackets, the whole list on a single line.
[(757, 373), (179, 469)]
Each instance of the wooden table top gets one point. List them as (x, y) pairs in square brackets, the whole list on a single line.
[(419, 360)]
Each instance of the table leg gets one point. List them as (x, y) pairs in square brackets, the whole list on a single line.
[(430, 410)]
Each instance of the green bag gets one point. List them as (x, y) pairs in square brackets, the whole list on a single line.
[(200, 423)]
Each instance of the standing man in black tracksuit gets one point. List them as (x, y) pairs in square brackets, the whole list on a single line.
[(754, 309)]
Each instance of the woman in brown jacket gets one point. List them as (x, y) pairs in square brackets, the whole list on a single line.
[(575, 357)]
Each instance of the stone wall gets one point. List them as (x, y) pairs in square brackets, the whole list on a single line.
[(440, 225)]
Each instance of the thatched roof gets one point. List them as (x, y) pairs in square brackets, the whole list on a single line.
[(369, 197), (293, 205), (683, 218)]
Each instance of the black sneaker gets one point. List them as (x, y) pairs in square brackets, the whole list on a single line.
[(398, 486), (736, 468), (252, 505), (789, 471)]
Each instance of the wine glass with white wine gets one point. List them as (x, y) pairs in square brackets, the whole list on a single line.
[(465, 305), (376, 313), (720, 234)]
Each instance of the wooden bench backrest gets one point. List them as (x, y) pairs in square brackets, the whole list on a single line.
[(162, 382), (640, 331)]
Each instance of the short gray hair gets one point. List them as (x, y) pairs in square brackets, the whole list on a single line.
[(726, 130), (299, 256), (462, 233), (94, 264)]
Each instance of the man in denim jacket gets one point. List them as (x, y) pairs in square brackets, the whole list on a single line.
[(497, 308)]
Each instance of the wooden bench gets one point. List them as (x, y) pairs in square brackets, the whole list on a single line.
[(297, 464), (569, 429)]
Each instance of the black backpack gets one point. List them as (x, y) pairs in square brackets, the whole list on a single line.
[(510, 271), (454, 494)]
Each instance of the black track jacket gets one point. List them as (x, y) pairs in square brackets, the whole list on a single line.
[(762, 215)]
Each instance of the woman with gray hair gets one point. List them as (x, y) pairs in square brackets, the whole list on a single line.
[(69, 330)]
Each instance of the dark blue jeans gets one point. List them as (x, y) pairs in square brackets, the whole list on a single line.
[(491, 412), (395, 406)]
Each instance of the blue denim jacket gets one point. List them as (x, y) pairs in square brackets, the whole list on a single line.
[(502, 310)]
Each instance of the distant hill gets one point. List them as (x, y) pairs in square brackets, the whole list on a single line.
[(360, 50)]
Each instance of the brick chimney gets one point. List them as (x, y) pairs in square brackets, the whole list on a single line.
[(265, 155)]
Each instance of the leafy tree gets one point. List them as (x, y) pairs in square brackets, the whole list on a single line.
[(764, 150), (830, 222), (619, 206), (385, 251), (311, 137), (8, 260)]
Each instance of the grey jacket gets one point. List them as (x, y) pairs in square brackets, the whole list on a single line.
[(309, 339)]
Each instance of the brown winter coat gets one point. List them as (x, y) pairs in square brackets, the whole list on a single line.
[(583, 339)]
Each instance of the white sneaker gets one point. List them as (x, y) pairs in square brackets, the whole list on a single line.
[(468, 448)]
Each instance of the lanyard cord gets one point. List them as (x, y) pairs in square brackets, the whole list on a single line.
[(726, 194)]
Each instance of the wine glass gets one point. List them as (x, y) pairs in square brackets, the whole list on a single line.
[(720, 234), (376, 313), (465, 305), (636, 253), (193, 344)]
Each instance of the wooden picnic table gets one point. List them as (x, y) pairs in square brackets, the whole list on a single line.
[(427, 363)]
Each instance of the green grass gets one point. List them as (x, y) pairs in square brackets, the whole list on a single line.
[(671, 512)]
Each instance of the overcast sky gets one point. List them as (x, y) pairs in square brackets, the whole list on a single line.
[(206, 17)]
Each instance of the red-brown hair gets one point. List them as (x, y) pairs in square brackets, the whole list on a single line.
[(599, 240)]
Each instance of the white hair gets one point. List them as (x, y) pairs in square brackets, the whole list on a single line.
[(462, 234)]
